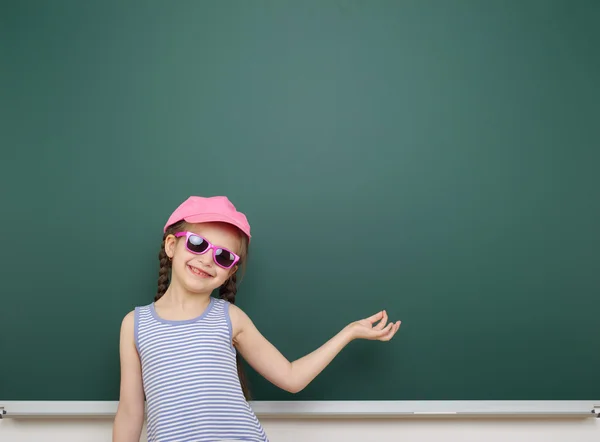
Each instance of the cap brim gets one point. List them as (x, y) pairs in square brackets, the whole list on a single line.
[(217, 217)]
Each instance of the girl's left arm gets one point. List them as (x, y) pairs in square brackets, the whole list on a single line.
[(294, 376)]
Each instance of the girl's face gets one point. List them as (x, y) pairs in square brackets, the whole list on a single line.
[(199, 273)]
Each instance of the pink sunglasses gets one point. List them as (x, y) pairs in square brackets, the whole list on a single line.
[(196, 244)]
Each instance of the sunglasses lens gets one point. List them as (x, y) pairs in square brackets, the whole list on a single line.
[(197, 244), (224, 257)]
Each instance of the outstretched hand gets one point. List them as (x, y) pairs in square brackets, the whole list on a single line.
[(365, 328)]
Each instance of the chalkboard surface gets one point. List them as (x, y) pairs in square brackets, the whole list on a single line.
[(438, 159)]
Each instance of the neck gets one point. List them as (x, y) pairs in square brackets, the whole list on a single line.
[(178, 297)]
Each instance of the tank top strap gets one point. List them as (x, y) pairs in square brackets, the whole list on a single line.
[(220, 313), (139, 312)]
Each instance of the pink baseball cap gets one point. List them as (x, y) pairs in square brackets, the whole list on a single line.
[(198, 209)]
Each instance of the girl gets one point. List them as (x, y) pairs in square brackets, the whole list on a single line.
[(181, 353)]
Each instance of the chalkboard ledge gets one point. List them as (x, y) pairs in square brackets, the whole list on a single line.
[(332, 409)]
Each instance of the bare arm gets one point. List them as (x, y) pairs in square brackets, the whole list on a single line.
[(130, 412), (295, 376)]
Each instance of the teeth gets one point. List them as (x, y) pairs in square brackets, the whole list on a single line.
[(198, 271)]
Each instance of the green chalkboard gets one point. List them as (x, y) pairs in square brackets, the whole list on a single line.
[(439, 159)]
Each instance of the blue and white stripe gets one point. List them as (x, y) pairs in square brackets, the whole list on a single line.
[(190, 378)]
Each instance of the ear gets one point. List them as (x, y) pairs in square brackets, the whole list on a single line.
[(170, 242)]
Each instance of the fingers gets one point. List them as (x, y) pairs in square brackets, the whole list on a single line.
[(383, 331), (383, 322), (378, 333), (376, 317), (386, 333), (390, 331)]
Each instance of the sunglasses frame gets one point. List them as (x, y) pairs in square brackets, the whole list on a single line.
[(211, 246)]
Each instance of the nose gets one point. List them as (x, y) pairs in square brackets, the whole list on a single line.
[(206, 258)]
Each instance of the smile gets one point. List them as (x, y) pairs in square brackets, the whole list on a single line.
[(197, 272)]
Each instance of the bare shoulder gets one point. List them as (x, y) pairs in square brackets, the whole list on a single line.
[(128, 320), (127, 344), (131, 397), (236, 311), (240, 321), (127, 325)]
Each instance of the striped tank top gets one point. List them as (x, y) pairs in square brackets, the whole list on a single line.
[(190, 379)]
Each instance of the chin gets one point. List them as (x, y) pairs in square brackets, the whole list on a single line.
[(200, 288)]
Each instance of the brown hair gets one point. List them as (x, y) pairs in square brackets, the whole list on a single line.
[(227, 291)]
